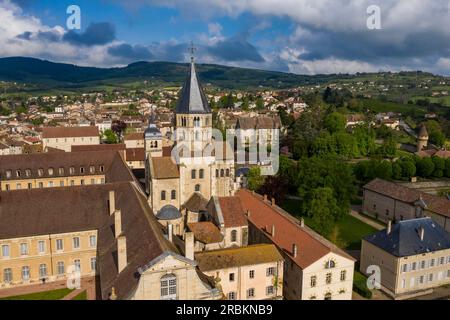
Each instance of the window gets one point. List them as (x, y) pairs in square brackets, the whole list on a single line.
[(403, 283), (61, 183), (430, 277), (193, 174), (327, 296), (72, 183), (93, 263), (102, 168), (82, 170), (197, 188), (91, 169), (269, 290), (18, 186), (77, 264), (18, 173), (330, 264), (23, 249), (42, 271), (7, 187), (72, 170), (28, 172), (232, 296), (76, 242), (5, 250), (217, 172), (92, 241), (30, 186), (60, 267), (169, 287), (233, 236), (414, 266), (163, 195), (173, 195), (270, 271), (231, 277), (313, 281), (432, 262), (8, 174), (50, 184), (421, 279), (422, 264), (441, 260), (40, 172), (251, 293), (343, 275), (50, 171), (227, 172), (82, 182), (328, 278), (251, 274), (59, 244), (41, 246), (7, 275), (41, 185), (222, 173), (405, 268), (25, 273), (61, 171), (201, 173)]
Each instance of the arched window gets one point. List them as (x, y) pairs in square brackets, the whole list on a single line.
[(330, 264), (197, 188), (173, 194), (221, 172), (327, 296), (201, 173), (233, 236), (193, 174), (227, 172), (163, 195), (217, 172), (169, 287)]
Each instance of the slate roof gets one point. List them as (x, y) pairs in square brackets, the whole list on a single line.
[(168, 212), (192, 98), (404, 238)]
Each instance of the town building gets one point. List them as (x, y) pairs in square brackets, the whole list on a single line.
[(63, 138), (314, 268), (413, 257), (388, 201), (245, 273)]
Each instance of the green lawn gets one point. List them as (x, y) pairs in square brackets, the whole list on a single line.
[(350, 229), (81, 296), (45, 295)]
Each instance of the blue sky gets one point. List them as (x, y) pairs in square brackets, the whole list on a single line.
[(299, 36)]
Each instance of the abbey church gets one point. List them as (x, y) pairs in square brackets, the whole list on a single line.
[(197, 166)]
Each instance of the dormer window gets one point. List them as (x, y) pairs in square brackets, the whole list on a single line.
[(102, 168), (40, 172), (18, 173), (50, 171), (92, 169), (82, 170), (72, 170), (27, 172), (61, 171), (8, 174)]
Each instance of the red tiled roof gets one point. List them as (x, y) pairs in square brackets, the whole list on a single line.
[(134, 136), (206, 232), (232, 211), (288, 231), (69, 132), (135, 154), (439, 205)]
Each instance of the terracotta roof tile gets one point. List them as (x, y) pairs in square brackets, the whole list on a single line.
[(164, 168), (69, 132), (232, 211), (206, 232)]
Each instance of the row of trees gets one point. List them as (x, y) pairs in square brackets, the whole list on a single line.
[(403, 169)]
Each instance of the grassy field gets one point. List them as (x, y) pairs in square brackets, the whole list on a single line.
[(350, 230), (45, 295), (445, 100), (81, 296)]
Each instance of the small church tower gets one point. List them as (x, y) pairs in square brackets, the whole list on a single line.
[(153, 139), (422, 139)]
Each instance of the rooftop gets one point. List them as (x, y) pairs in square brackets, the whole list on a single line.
[(69, 132)]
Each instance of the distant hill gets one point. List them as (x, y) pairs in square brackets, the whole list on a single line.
[(59, 75)]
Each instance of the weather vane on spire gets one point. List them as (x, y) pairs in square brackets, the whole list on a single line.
[(192, 50)]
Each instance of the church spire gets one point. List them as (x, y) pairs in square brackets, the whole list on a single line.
[(192, 99)]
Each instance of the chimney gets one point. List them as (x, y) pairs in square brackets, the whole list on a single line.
[(273, 201), (112, 202), (389, 227), (169, 232), (273, 231), (189, 245), (421, 233), (121, 253), (265, 197), (302, 222), (248, 213), (294, 250), (118, 223)]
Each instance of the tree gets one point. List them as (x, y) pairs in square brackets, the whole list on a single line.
[(260, 103), (435, 133), (335, 122), (408, 168), (384, 170), (110, 137), (254, 179), (275, 187), (425, 167), (439, 167), (322, 210), (397, 171), (447, 168), (118, 127), (389, 148)]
